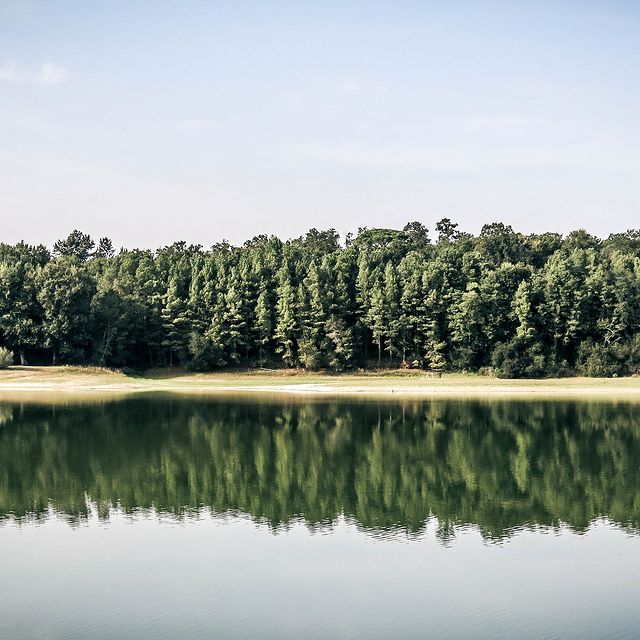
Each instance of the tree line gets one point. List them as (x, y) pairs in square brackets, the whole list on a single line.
[(499, 465), (519, 305)]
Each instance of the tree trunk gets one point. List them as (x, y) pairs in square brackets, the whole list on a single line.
[(23, 359), (105, 343), (54, 356), (379, 351)]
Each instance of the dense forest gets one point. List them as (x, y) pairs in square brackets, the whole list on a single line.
[(518, 305), (385, 466)]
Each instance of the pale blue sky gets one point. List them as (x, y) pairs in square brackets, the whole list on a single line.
[(155, 121)]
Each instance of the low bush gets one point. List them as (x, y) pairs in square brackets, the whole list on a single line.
[(519, 359), (599, 361)]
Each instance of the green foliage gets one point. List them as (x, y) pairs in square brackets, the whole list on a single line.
[(65, 291), (77, 245), (313, 348), (20, 313), (526, 305), (376, 316), (607, 361), (104, 249), (519, 358), (286, 325), (202, 353), (263, 323), (434, 356), (340, 352)]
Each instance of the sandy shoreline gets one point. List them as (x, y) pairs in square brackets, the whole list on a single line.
[(320, 389), (37, 380)]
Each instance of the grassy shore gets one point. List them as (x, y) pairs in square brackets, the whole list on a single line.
[(88, 379)]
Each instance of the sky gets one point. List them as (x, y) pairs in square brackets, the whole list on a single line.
[(156, 121)]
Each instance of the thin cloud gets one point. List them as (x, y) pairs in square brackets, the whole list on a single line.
[(353, 86), (196, 125), (48, 74), (466, 158), (503, 125)]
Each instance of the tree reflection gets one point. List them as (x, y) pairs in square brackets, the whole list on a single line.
[(499, 465)]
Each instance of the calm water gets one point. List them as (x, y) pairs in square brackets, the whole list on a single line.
[(162, 517)]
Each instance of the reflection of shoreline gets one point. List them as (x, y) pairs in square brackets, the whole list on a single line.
[(387, 465), (446, 533)]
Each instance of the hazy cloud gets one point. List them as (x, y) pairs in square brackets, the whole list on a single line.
[(48, 73), (503, 125), (196, 125), (354, 86), (461, 158)]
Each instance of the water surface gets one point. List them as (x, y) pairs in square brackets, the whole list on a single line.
[(168, 517)]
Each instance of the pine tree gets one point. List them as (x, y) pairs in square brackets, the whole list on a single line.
[(376, 316), (340, 344), (312, 343), (410, 277), (175, 323), (215, 295), (286, 324), (234, 324), (434, 356), (263, 325), (392, 323), (466, 322), (363, 295)]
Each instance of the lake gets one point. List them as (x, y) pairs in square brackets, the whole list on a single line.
[(159, 516)]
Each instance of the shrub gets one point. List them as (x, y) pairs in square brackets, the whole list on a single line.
[(203, 355), (519, 358), (633, 355), (309, 354), (6, 358), (598, 361)]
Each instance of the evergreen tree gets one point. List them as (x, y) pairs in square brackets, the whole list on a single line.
[(392, 318), (234, 325), (286, 329), (312, 342), (263, 326), (376, 316), (76, 245), (175, 323)]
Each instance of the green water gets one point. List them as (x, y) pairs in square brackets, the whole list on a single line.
[(167, 517)]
